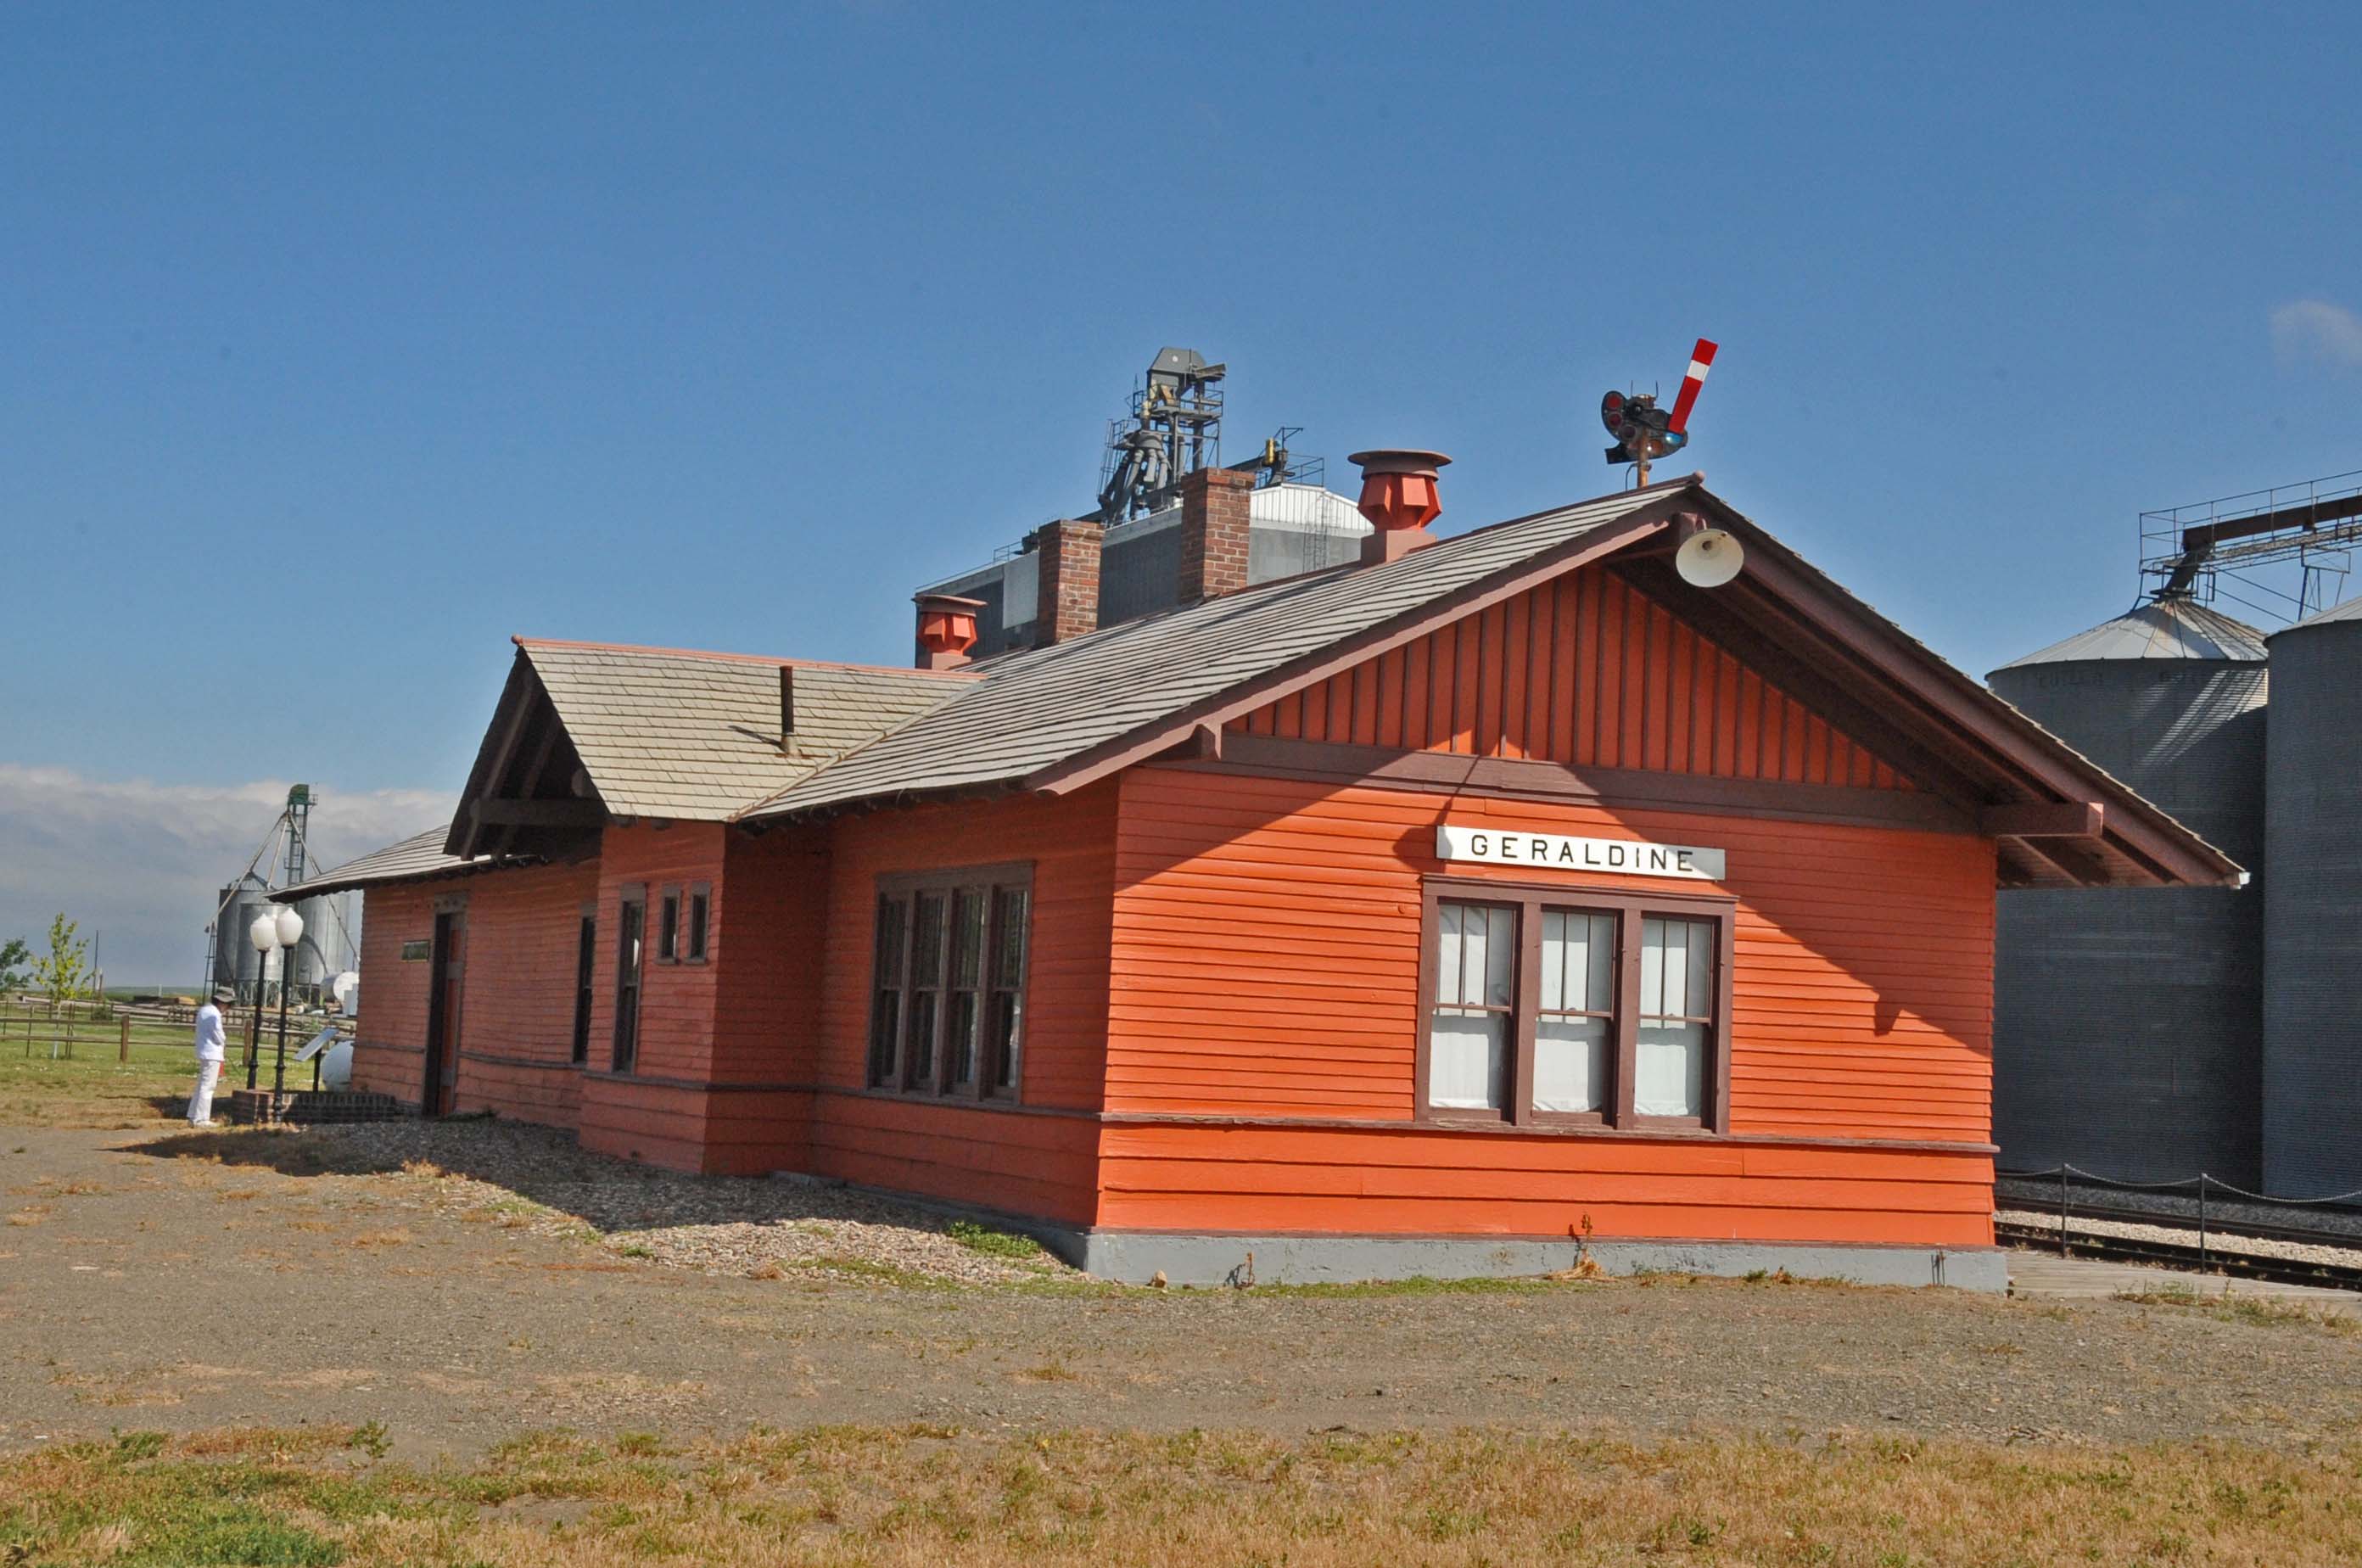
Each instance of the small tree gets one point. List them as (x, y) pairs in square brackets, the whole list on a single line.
[(64, 973), (14, 954)]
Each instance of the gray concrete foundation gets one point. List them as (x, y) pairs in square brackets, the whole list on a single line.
[(1137, 1256)]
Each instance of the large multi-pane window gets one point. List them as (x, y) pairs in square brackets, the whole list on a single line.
[(947, 1004), (1565, 1007)]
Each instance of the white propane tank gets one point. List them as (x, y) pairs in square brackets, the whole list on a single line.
[(337, 1067)]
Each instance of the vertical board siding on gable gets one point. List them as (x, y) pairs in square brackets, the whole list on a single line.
[(518, 1002), (1586, 671), (1004, 1159), (391, 1030), (1266, 963)]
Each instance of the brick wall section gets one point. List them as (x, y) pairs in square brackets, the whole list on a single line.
[(1213, 533), (1068, 555)]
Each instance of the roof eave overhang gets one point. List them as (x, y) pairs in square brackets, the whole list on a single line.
[(2129, 840), (502, 796)]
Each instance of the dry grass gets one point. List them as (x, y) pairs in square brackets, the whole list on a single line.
[(2229, 1306), (931, 1494)]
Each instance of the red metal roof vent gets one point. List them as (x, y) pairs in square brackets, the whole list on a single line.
[(1398, 498), (946, 629)]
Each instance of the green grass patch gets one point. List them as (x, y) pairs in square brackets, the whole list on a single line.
[(993, 1243)]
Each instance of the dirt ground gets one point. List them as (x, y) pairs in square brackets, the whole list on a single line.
[(146, 1283)]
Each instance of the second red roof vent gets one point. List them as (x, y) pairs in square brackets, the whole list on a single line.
[(1398, 498)]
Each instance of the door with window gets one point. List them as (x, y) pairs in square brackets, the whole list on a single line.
[(1575, 1007)]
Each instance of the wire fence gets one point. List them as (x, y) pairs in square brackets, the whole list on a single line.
[(2203, 1187)]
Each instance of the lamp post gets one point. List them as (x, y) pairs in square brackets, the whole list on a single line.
[(264, 935), (291, 931)]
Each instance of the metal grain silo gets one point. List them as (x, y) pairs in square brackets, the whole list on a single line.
[(236, 963), (2312, 910), (2128, 1022)]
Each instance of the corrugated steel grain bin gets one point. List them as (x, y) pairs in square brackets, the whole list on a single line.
[(2313, 882), (2128, 1023)]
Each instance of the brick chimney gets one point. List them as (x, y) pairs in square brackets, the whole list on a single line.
[(1398, 498), (946, 629), (1213, 533), (1066, 554)]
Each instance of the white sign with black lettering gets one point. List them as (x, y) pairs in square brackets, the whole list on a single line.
[(1557, 852)]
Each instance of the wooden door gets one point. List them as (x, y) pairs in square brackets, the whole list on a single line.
[(444, 1012)]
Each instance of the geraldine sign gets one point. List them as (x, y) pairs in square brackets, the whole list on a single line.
[(1557, 852)]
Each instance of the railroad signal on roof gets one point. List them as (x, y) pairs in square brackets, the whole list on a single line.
[(1644, 432)]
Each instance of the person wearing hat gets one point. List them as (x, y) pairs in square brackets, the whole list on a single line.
[(212, 1048)]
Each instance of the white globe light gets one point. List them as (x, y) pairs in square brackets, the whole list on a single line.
[(291, 927), (263, 933)]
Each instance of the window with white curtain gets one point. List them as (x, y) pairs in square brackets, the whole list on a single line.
[(1570, 1007), (1575, 1026), (1468, 1041), (1675, 1014)]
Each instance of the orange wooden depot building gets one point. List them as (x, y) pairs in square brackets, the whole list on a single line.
[(1435, 915)]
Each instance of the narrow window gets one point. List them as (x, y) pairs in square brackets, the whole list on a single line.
[(1576, 1029), (1468, 1041), (700, 912), (1005, 1015), (630, 926), (586, 961), (886, 1009), (926, 988), (1677, 1015), (960, 1034), (947, 991), (668, 927)]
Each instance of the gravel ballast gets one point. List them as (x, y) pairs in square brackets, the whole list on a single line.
[(2182, 1236)]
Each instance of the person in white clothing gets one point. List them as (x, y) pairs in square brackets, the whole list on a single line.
[(211, 1051)]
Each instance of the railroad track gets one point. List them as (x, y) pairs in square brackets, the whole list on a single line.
[(2188, 1256)]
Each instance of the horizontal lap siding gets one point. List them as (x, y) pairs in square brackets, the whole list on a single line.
[(1003, 1159), (1041, 1165), (770, 962), (689, 1128), (391, 1027), (1585, 672), (1427, 1182), (677, 1000), (1266, 954), (517, 1003)]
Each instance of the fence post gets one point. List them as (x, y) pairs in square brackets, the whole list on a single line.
[(123, 1051), (2202, 1264), (2062, 1211)]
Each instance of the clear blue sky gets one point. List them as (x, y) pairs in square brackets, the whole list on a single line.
[(345, 341)]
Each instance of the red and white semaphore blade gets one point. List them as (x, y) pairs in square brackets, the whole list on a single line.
[(1700, 359)]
